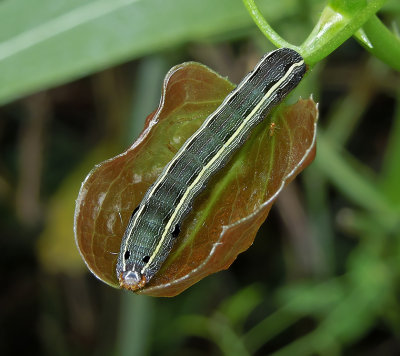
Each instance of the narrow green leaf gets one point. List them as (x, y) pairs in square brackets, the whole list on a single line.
[(48, 42), (360, 188)]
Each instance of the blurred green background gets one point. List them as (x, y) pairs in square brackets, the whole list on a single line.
[(78, 78)]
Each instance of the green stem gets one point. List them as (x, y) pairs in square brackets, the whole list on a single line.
[(334, 27), (338, 22), (264, 26), (382, 43)]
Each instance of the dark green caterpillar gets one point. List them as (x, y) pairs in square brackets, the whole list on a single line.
[(155, 223)]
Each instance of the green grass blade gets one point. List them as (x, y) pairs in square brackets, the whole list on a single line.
[(48, 42), (352, 182)]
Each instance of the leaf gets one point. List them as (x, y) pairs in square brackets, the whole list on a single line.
[(226, 216), (48, 42)]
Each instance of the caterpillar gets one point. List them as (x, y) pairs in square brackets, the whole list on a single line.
[(156, 223)]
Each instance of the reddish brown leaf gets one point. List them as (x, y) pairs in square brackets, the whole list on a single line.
[(226, 216)]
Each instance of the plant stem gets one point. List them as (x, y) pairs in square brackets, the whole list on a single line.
[(338, 22), (264, 26), (382, 43), (334, 27)]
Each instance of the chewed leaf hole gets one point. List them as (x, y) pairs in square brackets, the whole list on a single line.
[(146, 259), (127, 255)]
